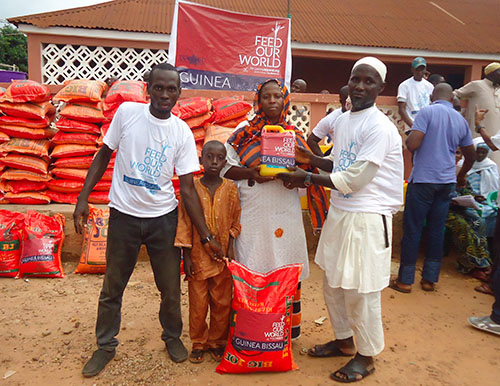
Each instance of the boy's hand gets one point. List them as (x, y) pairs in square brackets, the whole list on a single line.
[(188, 264), (214, 249)]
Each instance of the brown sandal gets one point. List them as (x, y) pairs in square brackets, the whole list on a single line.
[(217, 353), (484, 289), (427, 285), (400, 287), (196, 356)]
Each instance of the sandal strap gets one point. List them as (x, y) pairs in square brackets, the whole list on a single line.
[(352, 368)]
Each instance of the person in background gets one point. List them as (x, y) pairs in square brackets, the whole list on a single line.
[(490, 323), (484, 93), (436, 133), (272, 233), (414, 93), (325, 125), (298, 85), (143, 209), (465, 226), (483, 181), (209, 279), (354, 249), (435, 79)]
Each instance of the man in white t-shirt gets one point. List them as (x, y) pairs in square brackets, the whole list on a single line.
[(354, 249), (415, 92), (326, 124), (151, 143)]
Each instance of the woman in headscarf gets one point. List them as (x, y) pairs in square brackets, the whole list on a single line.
[(483, 180), (272, 232), (468, 229)]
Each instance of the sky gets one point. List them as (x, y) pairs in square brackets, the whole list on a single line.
[(10, 8)]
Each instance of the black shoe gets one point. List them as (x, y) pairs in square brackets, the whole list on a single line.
[(97, 363), (178, 353)]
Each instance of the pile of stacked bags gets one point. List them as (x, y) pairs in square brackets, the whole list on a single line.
[(75, 144), (25, 135), (44, 163)]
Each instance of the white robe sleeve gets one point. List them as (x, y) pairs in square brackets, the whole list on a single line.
[(232, 159), (355, 178)]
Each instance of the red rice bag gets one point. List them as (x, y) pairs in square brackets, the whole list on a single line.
[(62, 198), (218, 133), (42, 245), (26, 132), (192, 107), (39, 123), (70, 150), (28, 110), (99, 197), (4, 137), (62, 138), (22, 186), (199, 134), (25, 162), (36, 147), (261, 321), (93, 257), (83, 111), (28, 198), (227, 109), (82, 162), (25, 90), (11, 229), (74, 126), (125, 91), (19, 175), (81, 90), (70, 173), (199, 121)]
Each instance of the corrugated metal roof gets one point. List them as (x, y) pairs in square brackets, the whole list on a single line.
[(441, 25)]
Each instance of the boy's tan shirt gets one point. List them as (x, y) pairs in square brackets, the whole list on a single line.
[(222, 215)]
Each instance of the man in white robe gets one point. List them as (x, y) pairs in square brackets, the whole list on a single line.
[(355, 245)]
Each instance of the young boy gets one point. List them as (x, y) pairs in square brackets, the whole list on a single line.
[(209, 280)]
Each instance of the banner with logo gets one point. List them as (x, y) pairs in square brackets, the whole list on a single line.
[(217, 49)]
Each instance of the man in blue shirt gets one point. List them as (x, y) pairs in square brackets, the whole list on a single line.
[(436, 133)]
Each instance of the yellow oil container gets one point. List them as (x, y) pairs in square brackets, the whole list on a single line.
[(277, 150)]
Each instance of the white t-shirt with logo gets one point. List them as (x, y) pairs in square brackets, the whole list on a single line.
[(368, 135), (149, 149), (416, 95), (325, 125)]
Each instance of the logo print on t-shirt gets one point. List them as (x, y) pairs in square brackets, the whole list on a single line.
[(150, 169), (346, 158)]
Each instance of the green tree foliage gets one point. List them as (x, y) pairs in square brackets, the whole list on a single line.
[(13, 47)]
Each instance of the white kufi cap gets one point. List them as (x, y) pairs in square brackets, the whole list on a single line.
[(375, 63)]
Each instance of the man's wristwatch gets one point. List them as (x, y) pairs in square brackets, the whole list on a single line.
[(308, 179), (478, 128), (207, 239)]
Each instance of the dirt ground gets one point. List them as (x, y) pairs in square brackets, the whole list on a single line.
[(47, 334)]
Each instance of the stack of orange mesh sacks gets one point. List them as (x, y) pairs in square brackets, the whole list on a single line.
[(121, 91), (75, 144), (25, 132)]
